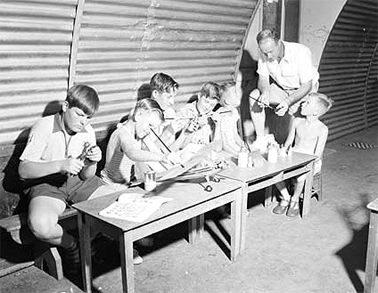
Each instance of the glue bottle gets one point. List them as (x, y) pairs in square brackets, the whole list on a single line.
[(272, 153), (243, 157)]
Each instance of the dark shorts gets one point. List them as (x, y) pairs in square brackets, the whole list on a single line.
[(71, 191)]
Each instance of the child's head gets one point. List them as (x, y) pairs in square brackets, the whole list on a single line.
[(163, 89), (316, 104), (147, 115), (209, 97), (231, 95), (81, 104)]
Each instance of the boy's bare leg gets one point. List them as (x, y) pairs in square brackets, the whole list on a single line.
[(281, 186), (298, 187), (284, 203), (43, 215), (293, 210)]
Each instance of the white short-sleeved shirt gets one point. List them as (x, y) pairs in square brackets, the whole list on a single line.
[(49, 142), (294, 69)]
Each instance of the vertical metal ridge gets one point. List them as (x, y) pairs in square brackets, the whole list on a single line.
[(75, 42)]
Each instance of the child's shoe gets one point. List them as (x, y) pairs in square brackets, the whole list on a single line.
[(293, 210), (281, 207), (137, 259)]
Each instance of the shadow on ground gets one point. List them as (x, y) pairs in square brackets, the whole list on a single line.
[(353, 255)]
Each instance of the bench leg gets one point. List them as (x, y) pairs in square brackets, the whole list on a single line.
[(50, 257)]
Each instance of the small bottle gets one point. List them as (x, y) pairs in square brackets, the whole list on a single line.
[(272, 153), (290, 151), (250, 161), (149, 180), (243, 157), (282, 152)]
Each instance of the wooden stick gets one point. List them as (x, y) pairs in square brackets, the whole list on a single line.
[(162, 142), (211, 114), (266, 105)]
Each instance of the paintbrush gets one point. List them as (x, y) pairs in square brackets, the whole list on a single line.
[(162, 142)]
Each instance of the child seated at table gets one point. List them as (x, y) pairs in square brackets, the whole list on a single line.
[(195, 119), (228, 118), (228, 122), (124, 150), (309, 135), (125, 144), (59, 162)]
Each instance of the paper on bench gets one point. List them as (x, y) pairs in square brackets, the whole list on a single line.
[(134, 207)]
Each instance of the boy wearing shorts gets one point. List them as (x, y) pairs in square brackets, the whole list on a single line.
[(60, 161), (309, 135)]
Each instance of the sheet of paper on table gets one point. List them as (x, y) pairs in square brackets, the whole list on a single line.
[(134, 207)]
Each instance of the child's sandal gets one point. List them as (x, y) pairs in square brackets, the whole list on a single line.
[(293, 210), (281, 207)]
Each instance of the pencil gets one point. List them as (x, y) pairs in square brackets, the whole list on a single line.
[(162, 142)]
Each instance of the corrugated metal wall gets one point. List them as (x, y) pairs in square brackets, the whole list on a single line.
[(114, 46), (35, 40), (349, 69), (122, 43)]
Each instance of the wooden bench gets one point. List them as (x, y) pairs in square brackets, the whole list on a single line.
[(44, 255), (34, 280)]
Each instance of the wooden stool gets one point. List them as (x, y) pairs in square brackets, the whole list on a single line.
[(317, 186)]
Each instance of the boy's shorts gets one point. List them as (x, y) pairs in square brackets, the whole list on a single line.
[(73, 190)]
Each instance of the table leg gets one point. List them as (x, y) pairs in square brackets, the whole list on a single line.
[(127, 266), (85, 251), (192, 230), (243, 216), (196, 227), (236, 217), (372, 254), (200, 225), (268, 196), (307, 191)]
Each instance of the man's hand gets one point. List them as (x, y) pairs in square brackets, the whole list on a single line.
[(72, 166), (282, 108)]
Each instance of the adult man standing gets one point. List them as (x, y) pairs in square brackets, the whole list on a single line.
[(289, 66)]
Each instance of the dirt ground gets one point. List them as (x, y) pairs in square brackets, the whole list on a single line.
[(323, 253)]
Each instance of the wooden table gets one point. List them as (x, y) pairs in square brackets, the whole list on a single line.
[(256, 178), (190, 201), (372, 249)]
